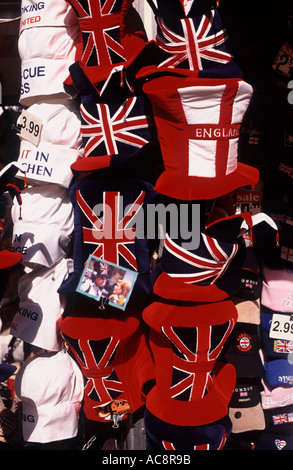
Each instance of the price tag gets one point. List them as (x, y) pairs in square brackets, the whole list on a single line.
[(30, 127), (281, 327), (283, 63)]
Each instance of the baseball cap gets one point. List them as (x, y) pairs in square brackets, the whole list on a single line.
[(245, 408), (277, 289), (6, 371), (60, 144), (276, 397), (42, 225), (278, 373), (162, 435), (50, 387), (37, 320), (242, 349), (46, 13)]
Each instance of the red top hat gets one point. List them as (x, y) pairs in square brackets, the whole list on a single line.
[(186, 342), (198, 122), (110, 33), (113, 355)]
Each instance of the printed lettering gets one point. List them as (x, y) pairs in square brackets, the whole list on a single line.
[(24, 312), (28, 418), (30, 8)]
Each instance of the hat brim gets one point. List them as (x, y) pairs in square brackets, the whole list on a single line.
[(176, 185), (6, 371), (8, 259), (210, 408), (91, 163)]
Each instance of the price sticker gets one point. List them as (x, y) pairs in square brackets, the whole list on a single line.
[(30, 127), (281, 327), (283, 63)]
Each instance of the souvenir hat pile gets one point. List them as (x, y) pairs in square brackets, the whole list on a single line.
[(277, 349), (50, 140), (119, 104)]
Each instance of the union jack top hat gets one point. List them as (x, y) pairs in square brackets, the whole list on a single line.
[(198, 122), (110, 33)]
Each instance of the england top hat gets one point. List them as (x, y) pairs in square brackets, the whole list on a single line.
[(198, 122)]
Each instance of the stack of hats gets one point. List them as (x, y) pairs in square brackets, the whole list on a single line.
[(277, 349), (109, 195), (50, 140), (243, 350)]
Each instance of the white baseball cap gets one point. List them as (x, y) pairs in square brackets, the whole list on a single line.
[(42, 225), (37, 320), (44, 70), (36, 13), (59, 146), (50, 387)]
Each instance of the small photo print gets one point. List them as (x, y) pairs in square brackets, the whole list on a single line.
[(107, 282)]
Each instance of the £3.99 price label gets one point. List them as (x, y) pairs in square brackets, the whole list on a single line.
[(281, 327), (30, 127)]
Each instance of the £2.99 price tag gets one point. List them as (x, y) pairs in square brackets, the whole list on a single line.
[(30, 127), (281, 327)]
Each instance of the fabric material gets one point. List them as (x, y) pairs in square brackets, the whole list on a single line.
[(116, 124), (42, 225), (198, 123), (243, 351), (60, 144), (46, 13), (40, 308), (104, 225), (113, 354), (277, 289), (273, 348), (245, 409), (110, 34), (276, 397), (278, 373), (50, 411), (186, 342), (163, 436)]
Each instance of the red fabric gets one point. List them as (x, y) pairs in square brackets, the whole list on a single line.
[(126, 364), (211, 385), (9, 259), (177, 136)]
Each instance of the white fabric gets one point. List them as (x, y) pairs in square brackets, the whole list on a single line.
[(60, 144), (42, 234), (60, 43), (42, 78), (36, 13), (50, 387), (37, 320)]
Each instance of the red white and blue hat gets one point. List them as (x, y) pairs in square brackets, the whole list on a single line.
[(198, 122)]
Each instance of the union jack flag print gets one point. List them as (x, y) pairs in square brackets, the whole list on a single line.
[(283, 346), (93, 356), (209, 264), (108, 131), (281, 418), (174, 446), (196, 44), (100, 29), (109, 235), (193, 346)]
